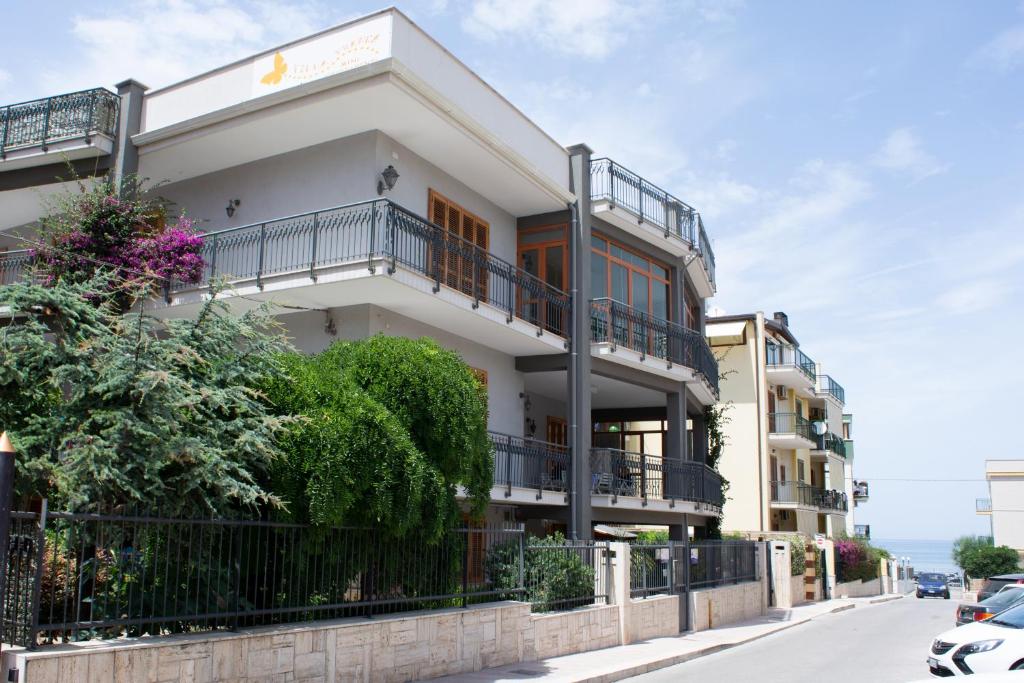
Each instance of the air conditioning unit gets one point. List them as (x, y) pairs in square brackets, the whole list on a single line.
[(780, 391)]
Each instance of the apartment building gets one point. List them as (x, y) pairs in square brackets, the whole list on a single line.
[(366, 181), (1005, 505), (785, 456)]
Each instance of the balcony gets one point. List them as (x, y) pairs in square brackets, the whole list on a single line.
[(983, 506), (790, 430), (828, 387), (641, 480), (661, 345), (791, 367), (644, 210), (76, 126), (327, 258), (829, 444), (799, 494), (529, 471), (862, 531), (860, 491)]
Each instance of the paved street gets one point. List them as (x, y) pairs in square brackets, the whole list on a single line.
[(881, 643)]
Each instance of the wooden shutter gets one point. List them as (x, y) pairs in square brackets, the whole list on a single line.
[(459, 224)]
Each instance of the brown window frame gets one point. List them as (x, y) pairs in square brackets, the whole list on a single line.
[(631, 268), (524, 304), (455, 220)]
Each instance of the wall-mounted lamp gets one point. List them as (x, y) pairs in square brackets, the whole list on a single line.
[(526, 402), (232, 205), (389, 176), (531, 426)]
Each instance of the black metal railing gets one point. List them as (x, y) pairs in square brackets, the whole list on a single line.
[(650, 204), (578, 571), (809, 496), (679, 566), (790, 423), (81, 576), (778, 355), (650, 569), (638, 475), (15, 265), (527, 463), (827, 385), (720, 563), (862, 530), (55, 119), (833, 443), (622, 325)]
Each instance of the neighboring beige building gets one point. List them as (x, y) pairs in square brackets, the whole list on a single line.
[(785, 454), (1005, 504)]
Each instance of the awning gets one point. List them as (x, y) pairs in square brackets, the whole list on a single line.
[(726, 333)]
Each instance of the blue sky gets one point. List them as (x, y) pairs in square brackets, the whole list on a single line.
[(859, 166)]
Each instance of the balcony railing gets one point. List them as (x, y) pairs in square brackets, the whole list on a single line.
[(638, 475), (862, 530), (650, 204), (525, 463), (790, 356), (827, 385), (790, 423), (861, 490), (621, 325), (808, 496), (832, 442), (376, 233), (54, 119), (983, 505)]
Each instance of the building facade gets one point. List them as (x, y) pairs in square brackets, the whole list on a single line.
[(1005, 504), (366, 182), (785, 454)]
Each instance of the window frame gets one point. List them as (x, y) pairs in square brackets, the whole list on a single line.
[(632, 268)]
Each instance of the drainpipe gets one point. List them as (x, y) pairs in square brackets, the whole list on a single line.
[(574, 450), (761, 388)]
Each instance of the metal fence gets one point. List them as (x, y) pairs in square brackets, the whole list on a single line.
[(832, 442), (779, 355), (622, 325), (791, 423), (809, 496), (827, 385), (680, 566), (53, 119), (617, 473), (568, 575)]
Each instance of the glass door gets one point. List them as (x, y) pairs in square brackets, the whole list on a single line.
[(543, 253)]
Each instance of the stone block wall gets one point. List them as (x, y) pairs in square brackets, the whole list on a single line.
[(858, 589), (653, 617), (714, 607), (562, 633)]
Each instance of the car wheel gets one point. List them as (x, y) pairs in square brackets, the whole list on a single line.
[(918, 595), (946, 596)]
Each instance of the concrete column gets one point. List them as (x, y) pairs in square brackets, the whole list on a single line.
[(676, 445), (700, 439), (578, 375), (129, 122)]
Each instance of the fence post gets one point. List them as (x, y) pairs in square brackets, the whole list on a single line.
[(259, 266), (37, 580), (687, 625), (6, 500), (314, 239), (522, 562), (465, 569)]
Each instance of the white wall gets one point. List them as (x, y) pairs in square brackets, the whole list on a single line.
[(1006, 489)]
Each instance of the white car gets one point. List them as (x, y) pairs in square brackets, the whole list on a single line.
[(996, 644)]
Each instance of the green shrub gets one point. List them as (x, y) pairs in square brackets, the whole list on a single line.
[(966, 544), (797, 555), (986, 561), (555, 578)]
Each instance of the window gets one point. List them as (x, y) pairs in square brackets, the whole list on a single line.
[(544, 253), (800, 474), (693, 308), (457, 271), (628, 277)]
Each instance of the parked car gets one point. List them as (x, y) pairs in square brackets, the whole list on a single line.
[(996, 644), (932, 584), (1006, 598), (994, 583)]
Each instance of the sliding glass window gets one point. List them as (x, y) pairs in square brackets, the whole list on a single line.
[(628, 277)]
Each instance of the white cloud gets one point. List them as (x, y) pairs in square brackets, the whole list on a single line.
[(1004, 52), (5, 77), (973, 297), (592, 29), (902, 152), (162, 41)]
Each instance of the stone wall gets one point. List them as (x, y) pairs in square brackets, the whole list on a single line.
[(798, 590), (858, 589), (714, 607), (653, 617), (394, 648)]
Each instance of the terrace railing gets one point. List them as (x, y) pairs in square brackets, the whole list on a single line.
[(832, 442), (639, 475), (55, 119), (830, 500), (862, 530), (622, 325), (526, 463), (778, 355), (15, 265), (791, 423), (809, 496), (827, 385), (983, 505), (650, 204)]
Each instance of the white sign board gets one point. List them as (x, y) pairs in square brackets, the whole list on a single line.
[(819, 540)]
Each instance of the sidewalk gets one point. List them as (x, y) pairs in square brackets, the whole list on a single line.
[(616, 663)]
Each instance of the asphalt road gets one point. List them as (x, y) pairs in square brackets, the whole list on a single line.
[(881, 643)]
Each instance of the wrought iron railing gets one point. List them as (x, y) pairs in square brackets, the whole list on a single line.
[(809, 496), (14, 265), (832, 442), (54, 119), (526, 463), (621, 325), (778, 355), (676, 567), (862, 530), (719, 563), (827, 385), (639, 475), (790, 423), (650, 204), (983, 505)]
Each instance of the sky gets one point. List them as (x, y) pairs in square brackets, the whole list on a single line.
[(859, 166)]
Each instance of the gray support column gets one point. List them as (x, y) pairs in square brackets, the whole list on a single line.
[(676, 445), (578, 376), (129, 122), (700, 439), (676, 302)]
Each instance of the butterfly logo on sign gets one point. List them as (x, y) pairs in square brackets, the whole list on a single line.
[(274, 76)]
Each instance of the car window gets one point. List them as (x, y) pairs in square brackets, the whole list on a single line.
[(1003, 599), (1012, 618), (933, 578)]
